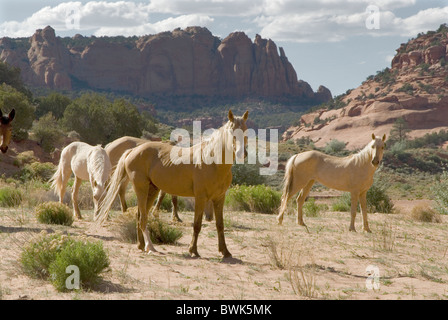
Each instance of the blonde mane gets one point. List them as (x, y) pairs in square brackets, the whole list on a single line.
[(98, 164), (218, 143), (365, 155)]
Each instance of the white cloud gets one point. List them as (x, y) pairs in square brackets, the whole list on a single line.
[(160, 26), (281, 20)]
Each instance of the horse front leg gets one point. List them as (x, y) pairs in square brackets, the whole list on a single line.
[(363, 202), (354, 207), (218, 206), (76, 186), (199, 204)]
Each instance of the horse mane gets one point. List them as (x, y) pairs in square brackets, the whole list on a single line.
[(99, 164), (365, 155), (220, 140)]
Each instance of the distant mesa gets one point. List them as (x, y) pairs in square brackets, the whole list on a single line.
[(181, 62)]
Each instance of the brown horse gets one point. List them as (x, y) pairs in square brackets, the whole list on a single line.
[(115, 150), (6, 129), (153, 166)]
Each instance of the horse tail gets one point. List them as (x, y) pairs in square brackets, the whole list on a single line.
[(112, 189), (56, 180), (287, 182)]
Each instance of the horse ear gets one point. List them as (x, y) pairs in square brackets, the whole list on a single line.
[(246, 115), (231, 117), (384, 137), (12, 114), (373, 136)]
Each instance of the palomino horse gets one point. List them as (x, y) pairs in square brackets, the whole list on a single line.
[(87, 163), (6, 129), (115, 150), (353, 174), (155, 166)]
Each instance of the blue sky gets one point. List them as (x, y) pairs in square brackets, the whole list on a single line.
[(336, 43)]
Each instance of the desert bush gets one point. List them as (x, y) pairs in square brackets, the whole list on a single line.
[(10, 197), (440, 193), (377, 201), (54, 213), (159, 231), (38, 254), (335, 147), (48, 256), (342, 203), (259, 198), (312, 209), (425, 213), (89, 257), (37, 171)]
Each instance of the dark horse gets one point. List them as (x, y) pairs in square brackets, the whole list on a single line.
[(6, 129)]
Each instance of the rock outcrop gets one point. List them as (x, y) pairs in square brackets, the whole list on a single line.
[(414, 88), (182, 62)]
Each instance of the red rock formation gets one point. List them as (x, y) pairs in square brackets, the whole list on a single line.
[(417, 90), (181, 62)]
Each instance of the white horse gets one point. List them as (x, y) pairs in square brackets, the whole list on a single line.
[(353, 174), (87, 163)]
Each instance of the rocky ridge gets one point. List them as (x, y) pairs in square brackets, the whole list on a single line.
[(181, 62), (415, 88)]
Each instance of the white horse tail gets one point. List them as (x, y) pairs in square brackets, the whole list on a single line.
[(112, 189), (287, 182), (56, 180)]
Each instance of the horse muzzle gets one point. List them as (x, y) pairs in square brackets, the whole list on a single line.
[(4, 149), (375, 162)]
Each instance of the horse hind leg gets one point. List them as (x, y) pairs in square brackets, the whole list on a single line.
[(145, 198), (175, 215), (300, 201)]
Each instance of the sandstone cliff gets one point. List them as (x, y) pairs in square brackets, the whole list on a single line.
[(181, 62), (415, 88)]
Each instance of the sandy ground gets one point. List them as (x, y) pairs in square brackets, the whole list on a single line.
[(269, 262)]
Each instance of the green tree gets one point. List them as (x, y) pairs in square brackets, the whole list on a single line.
[(399, 131), (88, 115), (98, 120), (11, 76), (12, 98), (47, 132), (54, 103)]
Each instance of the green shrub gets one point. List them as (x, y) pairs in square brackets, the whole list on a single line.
[(259, 198), (377, 201), (342, 203), (37, 171), (10, 197), (37, 255), (89, 257), (335, 147), (159, 231), (48, 256), (312, 209), (440, 193), (54, 213)]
